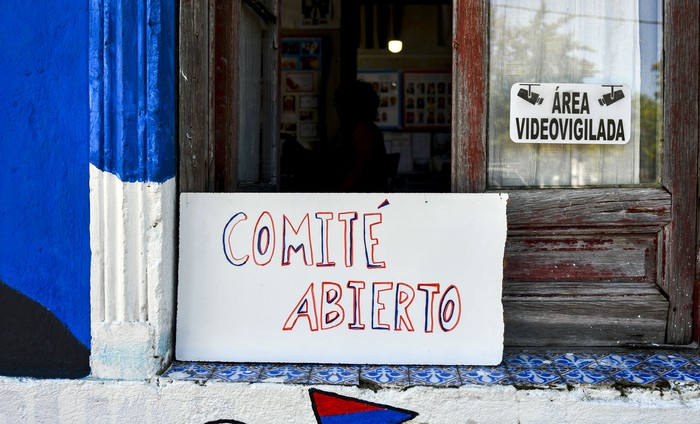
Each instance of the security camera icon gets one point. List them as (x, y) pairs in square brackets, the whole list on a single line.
[(529, 95), (612, 97)]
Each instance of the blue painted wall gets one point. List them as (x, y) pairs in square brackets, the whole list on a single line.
[(44, 157)]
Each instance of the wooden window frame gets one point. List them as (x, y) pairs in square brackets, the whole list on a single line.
[(208, 117), (671, 210), (676, 220)]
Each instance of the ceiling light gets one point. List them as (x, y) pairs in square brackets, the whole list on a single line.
[(395, 46)]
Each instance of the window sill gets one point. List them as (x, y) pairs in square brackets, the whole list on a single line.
[(520, 369)]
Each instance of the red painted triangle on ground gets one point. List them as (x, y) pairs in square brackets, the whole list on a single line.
[(328, 404)]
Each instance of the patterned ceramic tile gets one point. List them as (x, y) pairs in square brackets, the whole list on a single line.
[(287, 373), (484, 375), (520, 368), (635, 376), (652, 368), (190, 371), (524, 360), (348, 375), (695, 358), (688, 373), (248, 373), (585, 376), (620, 361), (537, 376), (434, 376), (574, 360), (667, 361), (386, 375)]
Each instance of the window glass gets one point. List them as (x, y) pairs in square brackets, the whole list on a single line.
[(582, 42)]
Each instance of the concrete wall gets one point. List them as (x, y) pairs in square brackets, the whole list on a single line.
[(86, 401)]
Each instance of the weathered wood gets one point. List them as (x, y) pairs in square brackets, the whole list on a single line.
[(601, 211), (680, 176), (583, 314), (582, 258), (194, 95), (226, 23), (601, 208), (469, 81)]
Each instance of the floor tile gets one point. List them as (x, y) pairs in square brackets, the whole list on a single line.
[(635, 376), (484, 375), (536, 376), (689, 374), (248, 373), (549, 369), (524, 360), (434, 376), (287, 373), (585, 376), (335, 374), (386, 375), (189, 371), (620, 361), (667, 361), (574, 361)]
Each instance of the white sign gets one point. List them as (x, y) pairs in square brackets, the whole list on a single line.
[(341, 278), (570, 113)]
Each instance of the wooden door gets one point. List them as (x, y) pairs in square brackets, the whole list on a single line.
[(593, 266)]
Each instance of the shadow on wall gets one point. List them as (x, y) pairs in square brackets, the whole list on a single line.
[(34, 343)]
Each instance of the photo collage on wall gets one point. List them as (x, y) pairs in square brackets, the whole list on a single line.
[(427, 99), (387, 85), (301, 80), (415, 112)]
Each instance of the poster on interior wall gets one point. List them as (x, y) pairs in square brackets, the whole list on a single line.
[(400, 278), (316, 13), (310, 14), (427, 99), (301, 61), (387, 85)]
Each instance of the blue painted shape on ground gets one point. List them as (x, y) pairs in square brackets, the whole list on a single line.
[(382, 416)]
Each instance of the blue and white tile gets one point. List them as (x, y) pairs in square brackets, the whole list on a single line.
[(242, 373), (348, 375), (689, 373), (484, 375), (525, 360), (434, 376), (667, 361), (386, 375), (695, 358), (652, 368), (189, 371), (286, 373), (542, 376), (635, 376), (571, 361), (616, 361), (585, 376)]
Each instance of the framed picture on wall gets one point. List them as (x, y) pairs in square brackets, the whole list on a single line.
[(301, 63), (427, 99), (387, 85)]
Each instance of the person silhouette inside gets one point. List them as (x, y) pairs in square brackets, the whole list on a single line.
[(358, 155)]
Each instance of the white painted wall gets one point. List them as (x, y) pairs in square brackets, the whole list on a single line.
[(95, 401)]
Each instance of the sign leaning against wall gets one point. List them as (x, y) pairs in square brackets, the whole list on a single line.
[(341, 278)]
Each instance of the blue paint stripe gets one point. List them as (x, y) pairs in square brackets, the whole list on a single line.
[(382, 416), (132, 89)]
